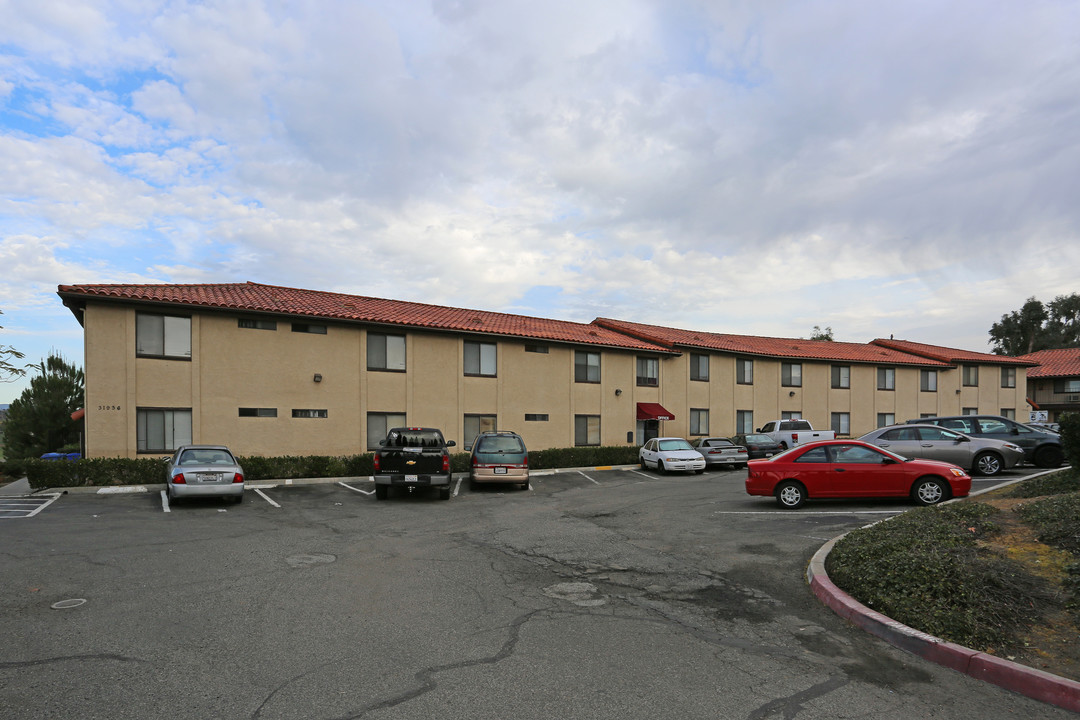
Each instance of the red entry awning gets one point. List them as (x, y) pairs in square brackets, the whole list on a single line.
[(653, 411)]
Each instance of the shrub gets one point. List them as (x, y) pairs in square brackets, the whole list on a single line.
[(95, 471), (1070, 438), (925, 569), (1063, 481)]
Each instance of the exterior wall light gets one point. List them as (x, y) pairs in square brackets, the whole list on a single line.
[(618, 392), (318, 377)]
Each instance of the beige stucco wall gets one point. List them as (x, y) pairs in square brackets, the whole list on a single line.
[(233, 367)]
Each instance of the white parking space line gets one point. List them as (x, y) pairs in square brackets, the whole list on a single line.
[(165, 502), (587, 478), (362, 492), (25, 506), (457, 486), (642, 473), (264, 497)]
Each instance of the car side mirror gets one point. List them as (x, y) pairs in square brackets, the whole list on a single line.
[(1016, 431), (450, 443), (888, 461)]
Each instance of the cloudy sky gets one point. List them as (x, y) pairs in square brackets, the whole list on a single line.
[(756, 167)]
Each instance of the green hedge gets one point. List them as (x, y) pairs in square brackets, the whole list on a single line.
[(148, 471), (1070, 438)]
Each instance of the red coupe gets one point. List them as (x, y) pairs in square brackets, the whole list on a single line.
[(852, 469)]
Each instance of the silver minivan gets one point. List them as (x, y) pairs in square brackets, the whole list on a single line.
[(983, 456)]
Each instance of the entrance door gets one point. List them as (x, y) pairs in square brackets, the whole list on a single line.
[(647, 430)]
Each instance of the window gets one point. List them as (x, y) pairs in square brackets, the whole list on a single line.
[(1009, 413), (791, 415), (258, 412), (744, 421), (542, 349), (814, 455), (1060, 386), (886, 378), (162, 429), (586, 367), (886, 419), (164, 336), (586, 430), (648, 371), (378, 424), (480, 359), (476, 424), (970, 374), (309, 328), (970, 411), (744, 371), (699, 367), (841, 376), (1008, 377), (791, 374), (536, 417), (928, 380), (841, 423), (253, 324), (386, 352), (308, 413), (699, 422)]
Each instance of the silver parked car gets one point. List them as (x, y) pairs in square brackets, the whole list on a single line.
[(983, 456), (669, 453), (204, 470), (721, 451)]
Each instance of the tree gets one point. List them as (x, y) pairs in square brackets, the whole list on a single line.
[(1037, 327), (8, 353), (39, 421), (819, 334)]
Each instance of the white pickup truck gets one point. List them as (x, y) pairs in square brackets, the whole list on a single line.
[(790, 433)]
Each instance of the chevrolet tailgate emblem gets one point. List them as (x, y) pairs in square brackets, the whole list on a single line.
[(410, 462)]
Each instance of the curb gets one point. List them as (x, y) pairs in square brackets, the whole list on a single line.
[(1036, 684)]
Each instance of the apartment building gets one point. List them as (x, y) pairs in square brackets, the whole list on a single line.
[(272, 370), (1054, 384)]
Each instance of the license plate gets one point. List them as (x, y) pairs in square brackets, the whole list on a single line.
[(207, 477), (768, 454), (411, 478), (500, 471)]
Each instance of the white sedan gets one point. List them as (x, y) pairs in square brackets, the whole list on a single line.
[(665, 454)]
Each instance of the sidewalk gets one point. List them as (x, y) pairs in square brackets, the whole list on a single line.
[(19, 487)]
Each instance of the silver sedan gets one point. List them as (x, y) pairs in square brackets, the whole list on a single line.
[(983, 456), (721, 451), (204, 470)]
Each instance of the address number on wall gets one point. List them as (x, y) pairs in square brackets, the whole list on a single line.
[(108, 407)]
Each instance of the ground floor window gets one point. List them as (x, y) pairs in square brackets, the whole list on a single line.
[(162, 429), (841, 423), (744, 421), (1009, 413), (699, 422), (791, 415), (586, 430), (970, 411), (476, 424), (886, 419), (377, 425)]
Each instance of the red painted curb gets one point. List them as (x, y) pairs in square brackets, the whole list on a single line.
[(1035, 684)]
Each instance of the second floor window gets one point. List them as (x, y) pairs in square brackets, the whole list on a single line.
[(886, 378), (164, 336), (386, 352), (480, 359), (841, 376), (928, 380), (1008, 377), (648, 371), (699, 367), (586, 367), (971, 375), (744, 371), (791, 374)]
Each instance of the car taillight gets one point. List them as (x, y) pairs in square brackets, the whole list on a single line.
[(237, 478), (179, 479), (475, 462), (794, 437), (445, 463), (376, 462), (525, 462), (741, 451)]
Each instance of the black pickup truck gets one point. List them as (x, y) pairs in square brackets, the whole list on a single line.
[(413, 457)]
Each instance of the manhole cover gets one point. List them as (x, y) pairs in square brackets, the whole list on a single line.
[(579, 593), (305, 560), (65, 604)]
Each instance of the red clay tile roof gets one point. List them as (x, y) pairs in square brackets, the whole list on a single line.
[(1054, 363), (254, 297), (950, 355), (771, 347)]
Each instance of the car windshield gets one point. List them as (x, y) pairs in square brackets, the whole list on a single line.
[(674, 445), (206, 457), (501, 444)]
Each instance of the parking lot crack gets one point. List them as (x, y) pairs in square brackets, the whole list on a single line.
[(790, 706), (94, 657)]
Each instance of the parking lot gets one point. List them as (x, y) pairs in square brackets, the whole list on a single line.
[(594, 594)]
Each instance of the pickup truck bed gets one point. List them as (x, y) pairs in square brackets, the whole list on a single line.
[(413, 457)]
